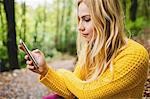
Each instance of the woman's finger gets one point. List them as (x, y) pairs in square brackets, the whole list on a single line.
[(26, 57), (29, 62), (20, 47), (30, 67)]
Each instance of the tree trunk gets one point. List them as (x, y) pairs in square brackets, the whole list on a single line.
[(2, 26), (147, 8), (62, 26), (1, 1), (22, 33), (124, 7), (68, 25), (11, 36), (133, 10), (57, 38), (24, 20), (44, 21), (35, 34)]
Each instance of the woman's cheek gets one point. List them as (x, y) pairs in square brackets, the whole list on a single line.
[(91, 35)]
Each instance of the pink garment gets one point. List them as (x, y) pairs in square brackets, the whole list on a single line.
[(52, 96)]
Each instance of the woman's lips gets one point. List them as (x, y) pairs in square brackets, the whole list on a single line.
[(85, 34)]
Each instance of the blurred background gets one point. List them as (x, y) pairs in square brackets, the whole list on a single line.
[(51, 26)]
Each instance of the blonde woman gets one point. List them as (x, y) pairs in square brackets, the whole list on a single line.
[(110, 66)]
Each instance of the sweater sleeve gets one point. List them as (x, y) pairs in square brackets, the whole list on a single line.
[(130, 68), (55, 81)]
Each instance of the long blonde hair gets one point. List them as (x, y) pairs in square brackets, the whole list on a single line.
[(96, 56)]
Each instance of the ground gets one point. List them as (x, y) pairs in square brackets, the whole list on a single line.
[(24, 84)]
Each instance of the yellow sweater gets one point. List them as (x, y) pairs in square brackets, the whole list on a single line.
[(130, 73)]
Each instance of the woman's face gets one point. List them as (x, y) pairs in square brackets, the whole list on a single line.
[(85, 26)]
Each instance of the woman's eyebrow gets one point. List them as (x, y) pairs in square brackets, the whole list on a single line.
[(85, 16)]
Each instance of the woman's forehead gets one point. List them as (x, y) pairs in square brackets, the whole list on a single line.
[(83, 9)]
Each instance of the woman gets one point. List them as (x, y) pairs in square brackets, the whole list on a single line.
[(110, 66)]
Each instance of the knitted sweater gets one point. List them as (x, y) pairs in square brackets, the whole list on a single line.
[(130, 72)]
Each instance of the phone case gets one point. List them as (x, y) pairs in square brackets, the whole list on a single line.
[(28, 53)]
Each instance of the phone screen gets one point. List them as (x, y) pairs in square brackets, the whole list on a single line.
[(28, 53)]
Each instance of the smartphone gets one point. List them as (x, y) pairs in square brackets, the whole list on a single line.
[(28, 52)]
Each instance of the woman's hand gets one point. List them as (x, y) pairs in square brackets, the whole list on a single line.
[(40, 58)]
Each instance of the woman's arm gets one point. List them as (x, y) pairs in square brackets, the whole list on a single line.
[(130, 68), (55, 81)]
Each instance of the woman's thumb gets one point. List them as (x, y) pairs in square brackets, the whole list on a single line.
[(36, 51)]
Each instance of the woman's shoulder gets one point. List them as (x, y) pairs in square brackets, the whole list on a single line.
[(133, 49), (133, 56)]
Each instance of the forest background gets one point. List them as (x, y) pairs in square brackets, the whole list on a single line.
[(51, 26)]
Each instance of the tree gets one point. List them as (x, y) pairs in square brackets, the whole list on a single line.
[(57, 38), (146, 5), (2, 24), (23, 24), (124, 6), (1, 1), (133, 10), (11, 35), (44, 20), (67, 26), (36, 31)]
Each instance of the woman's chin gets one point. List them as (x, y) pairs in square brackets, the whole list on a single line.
[(86, 39)]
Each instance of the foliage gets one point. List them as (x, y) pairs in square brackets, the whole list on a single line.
[(52, 28), (142, 18), (137, 27)]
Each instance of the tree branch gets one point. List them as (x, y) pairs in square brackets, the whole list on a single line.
[(1, 1)]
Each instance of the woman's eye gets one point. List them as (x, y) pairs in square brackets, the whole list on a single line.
[(87, 19)]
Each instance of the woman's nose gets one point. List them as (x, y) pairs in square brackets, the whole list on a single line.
[(81, 27)]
